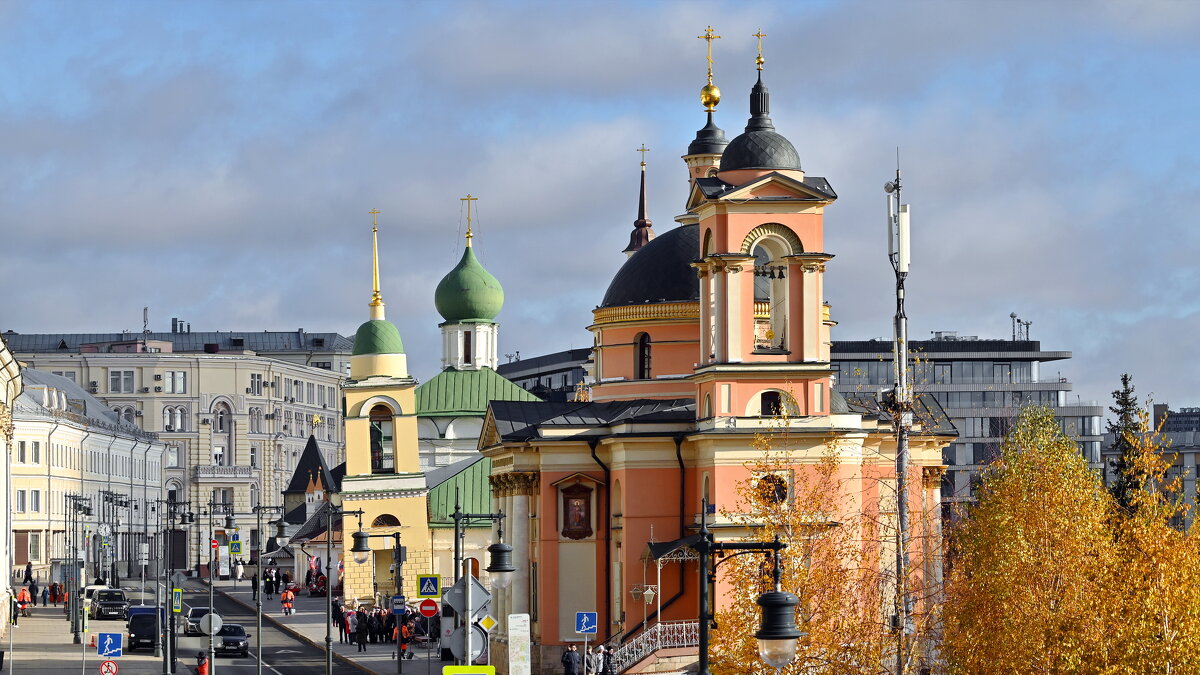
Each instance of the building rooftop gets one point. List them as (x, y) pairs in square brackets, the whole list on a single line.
[(264, 341), (466, 392)]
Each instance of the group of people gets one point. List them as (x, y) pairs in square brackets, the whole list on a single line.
[(367, 625), (274, 582), (597, 661)]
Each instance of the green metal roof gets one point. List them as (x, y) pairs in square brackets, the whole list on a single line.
[(469, 478), (466, 392), (378, 336)]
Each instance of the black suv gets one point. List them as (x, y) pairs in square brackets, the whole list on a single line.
[(109, 603), (233, 640), (143, 631)]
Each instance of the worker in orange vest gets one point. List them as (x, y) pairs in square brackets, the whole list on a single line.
[(287, 597), (23, 601)]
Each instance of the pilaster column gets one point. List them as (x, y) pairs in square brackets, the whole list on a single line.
[(516, 488)]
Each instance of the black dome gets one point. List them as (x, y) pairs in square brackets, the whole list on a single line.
[(760, 147), (659, 272)]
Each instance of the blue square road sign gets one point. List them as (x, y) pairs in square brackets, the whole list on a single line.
[(108, 645), (586, 623), (429, 586)]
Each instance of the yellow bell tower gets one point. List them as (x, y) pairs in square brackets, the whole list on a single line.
[(383, 472)]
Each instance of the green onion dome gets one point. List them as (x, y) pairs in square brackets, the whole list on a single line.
[(377, 336), (468, 292)]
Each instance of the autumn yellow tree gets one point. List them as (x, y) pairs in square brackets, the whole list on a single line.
[(1154, 583), (1028, 585), (832, 563)]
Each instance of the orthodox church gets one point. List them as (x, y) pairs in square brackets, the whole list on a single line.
[(710, 333)]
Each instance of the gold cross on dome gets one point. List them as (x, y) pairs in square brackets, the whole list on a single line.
[(760, 60), (374, 212), (643, 150), (468, 199), (709, 37)]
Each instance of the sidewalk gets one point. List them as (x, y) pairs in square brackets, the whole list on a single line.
[(43, 644), (308, 624)]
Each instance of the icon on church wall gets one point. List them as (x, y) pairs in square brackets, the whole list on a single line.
[(577, 512)]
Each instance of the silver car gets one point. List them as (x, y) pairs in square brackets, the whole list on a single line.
[(191, 621)]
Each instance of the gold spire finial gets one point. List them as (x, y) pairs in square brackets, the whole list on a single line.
[(643, 150), (376, 298), (760, 60), (468, 199), (710, 95)]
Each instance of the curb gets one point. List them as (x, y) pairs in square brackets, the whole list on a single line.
[(295, 633)]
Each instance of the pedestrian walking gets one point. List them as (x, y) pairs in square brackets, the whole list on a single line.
[(339, 619), (241, 571), (33, 593), (46, 597), (13, 609), (363, 629), (28, 572), (572, 661), (286, 598), (23, 601), (350, 622), (254, 586)]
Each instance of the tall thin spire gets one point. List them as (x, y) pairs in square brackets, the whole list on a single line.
[(759, 60), (760, 98), (642, 232), (376, 298), (468, 199), (710, 95)]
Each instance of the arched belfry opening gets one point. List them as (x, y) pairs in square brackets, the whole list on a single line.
[(383, 445), (641, 363), (771, 291)]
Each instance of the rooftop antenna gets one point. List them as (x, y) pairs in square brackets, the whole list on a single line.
[(145, 326), (901, 404), (1013, 316)]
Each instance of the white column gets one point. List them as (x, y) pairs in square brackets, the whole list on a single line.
[(519, 527)]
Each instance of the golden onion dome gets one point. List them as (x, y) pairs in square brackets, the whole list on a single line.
[(710, 96)]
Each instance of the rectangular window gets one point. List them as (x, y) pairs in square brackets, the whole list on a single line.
[(37, 452), (20, 501), (175, 382), (35, 501), (819, 397), (256, 384), (287, 388), (326, 365), (20, 452), (120, 381), (298, 387), (35, 545), (312, 397), (254, 456), (941, 373), (69, 374), (218, 455), (275, 387)]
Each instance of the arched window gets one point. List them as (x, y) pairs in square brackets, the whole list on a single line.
[(771, 404), (177, 417), (383, 451), (386, 520), (707, 406), (221, 420), (168, 419), (253, 495), (772, 488), (770, 293), (641, 364), (466, 348)]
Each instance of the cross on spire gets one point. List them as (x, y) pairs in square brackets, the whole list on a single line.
[(643, 150), (468, 199), (376, 298), (709, 37), (759, 59)]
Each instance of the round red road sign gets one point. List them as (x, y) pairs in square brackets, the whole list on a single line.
[(428, 607), (108, 668), (214, 543)]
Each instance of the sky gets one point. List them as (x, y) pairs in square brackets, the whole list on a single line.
[(216, 161)]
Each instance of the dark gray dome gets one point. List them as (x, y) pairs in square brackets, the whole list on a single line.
[(659, 272), (760, 147), (709, 141)]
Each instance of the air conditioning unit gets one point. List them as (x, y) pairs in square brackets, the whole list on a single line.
[(248, 390), (137, 414), (158, 377), (145, 390), (291, 400), (205, 421), (269, 416), (93, 389), (285, 427), (158, 389), (168, 428)]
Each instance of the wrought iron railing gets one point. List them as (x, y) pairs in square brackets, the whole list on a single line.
[(210, 472), (662, 635)]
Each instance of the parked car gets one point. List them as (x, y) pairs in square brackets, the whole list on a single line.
[(191, 621), (143, 629), (234, 639), (89, 591), (108, 603)]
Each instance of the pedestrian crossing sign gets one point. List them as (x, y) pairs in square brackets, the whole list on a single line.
[(176, 600), (235, 547), (429, 585)]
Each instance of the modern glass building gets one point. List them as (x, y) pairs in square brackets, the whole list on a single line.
[(982, 385)]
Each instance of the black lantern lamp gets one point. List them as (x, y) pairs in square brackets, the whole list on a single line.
[(281, 537), (362, 546), (501, 558), (777, 634), (229, 522)]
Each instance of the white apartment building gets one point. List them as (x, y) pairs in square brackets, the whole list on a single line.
[(233, 420), (10, 389), (67, 442)]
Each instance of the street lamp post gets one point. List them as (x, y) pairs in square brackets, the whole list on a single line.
[(333, 510), (213, 508), (79, 507), (777, 633), (280, 540), (500, 564), (174, 509)]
